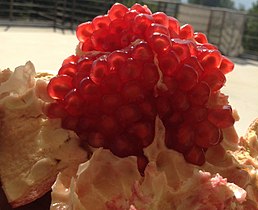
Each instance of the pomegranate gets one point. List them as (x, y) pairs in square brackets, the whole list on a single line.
[(136, 66)]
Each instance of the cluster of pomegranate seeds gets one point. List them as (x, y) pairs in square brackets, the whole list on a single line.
[(108, 98), (136, 66)]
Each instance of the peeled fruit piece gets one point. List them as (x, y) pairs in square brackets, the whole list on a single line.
[(134, 66)]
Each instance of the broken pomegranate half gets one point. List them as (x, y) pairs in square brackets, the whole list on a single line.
[(135, 66)]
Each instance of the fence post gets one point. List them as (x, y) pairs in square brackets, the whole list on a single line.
[(177, 9), (11, 10), (209, 24), (221, 28), (73, 15), (162, 6), (55, 15), (229, 48), (63, 14)]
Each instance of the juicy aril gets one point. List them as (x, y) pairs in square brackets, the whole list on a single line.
[(134, 66)]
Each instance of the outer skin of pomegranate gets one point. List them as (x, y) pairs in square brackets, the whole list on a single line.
[(135, 66)]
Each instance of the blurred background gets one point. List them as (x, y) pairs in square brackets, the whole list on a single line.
[(43, 31), (232, 25)]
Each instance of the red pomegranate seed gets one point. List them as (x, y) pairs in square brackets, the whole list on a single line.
[(211, 58), (214, 78), (70, 122), (111, 84), (141, 23), (112, 42), (101, 22), (86, 45), (186, 32), (126, 38), (150, 75), (181, 48), (131, 71), (73, 59), (117, 11), (206, 134), (78, 77), (111, 103), (128, 114), (160, 43), (132, 92), (130, 15), (204, 48), (171, 84), (156, 28), (59, 86), (125, 145), (89, 91), (226, 65), (143, 52), (175, 118), (87, 123), (56, 110), (185, 136), (179, 101), (117, 26), (195, 114), (163, 106), (168, 63), (187, 78), (73, 103), (192, 47), (142, 162), (200, 37), (141, 9), (173, 27), (98, 70), (171, 137), (195, 156), (148, 109), (194, 63), (221, 118), (98, 39), (117, 60), (161, 18), (200, 94), (84, 65), (108, 125), (142, 131), (69, 69), (91, 109), (96, 139), (84, 30)]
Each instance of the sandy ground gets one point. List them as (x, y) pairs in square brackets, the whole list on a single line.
[(47, 49), (242, 88), (44, 47)]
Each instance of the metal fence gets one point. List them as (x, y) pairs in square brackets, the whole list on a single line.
[(228, 29), (63, 14), (250, 35)]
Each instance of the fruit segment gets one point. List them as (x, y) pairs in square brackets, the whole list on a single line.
[(132, 66)]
